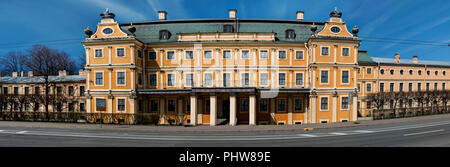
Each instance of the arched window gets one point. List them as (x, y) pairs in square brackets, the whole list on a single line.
[(436, 72), (164, 35), (290, 34), (410, 72), (382, 71), (392, 72), (401, 72), (228, 28)]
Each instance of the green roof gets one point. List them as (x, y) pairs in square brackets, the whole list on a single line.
[(148, 32), (364, 58)]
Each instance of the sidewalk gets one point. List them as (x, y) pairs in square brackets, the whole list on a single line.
[(207, 128)]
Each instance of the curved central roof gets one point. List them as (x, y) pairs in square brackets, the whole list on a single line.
[(148, 32)]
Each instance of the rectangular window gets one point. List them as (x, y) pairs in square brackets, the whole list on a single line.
[(282, 54), (81, 90), (139, 54), (82, 107), (153, 80), (369, 71), (369, 104), (98, 78), (345, 77), (98, 52), (120, 52), (70, 107), (244, 105), (153, 105), (188, 106), (100, 104), (324, 76), (428, 87), (5, 90), (263, 54), (410, 87), (226, 79), (227, 54), (189, 55), (16, 90), (170, 79), (170, 55), (419, 87), (70, 90), (281, 78), (391, 88), (263, 80), (324, 51), (324, 103), (208, 79), (139, 78), (345, 51), (121, 105), (37, 90), (299, 55), (381, 87), (208, 106), (59, 90), (152, 55), (435, 86), (27, 90), (443, 86), (245, 54), (359, 87), (245, 80), (344, 103), (171, 105), (120, 78), (400, 88), (359, 70), (369, 87), (281, 105), (189, 79), (298, 105), (299, 79), (207, 54), (263, 105)]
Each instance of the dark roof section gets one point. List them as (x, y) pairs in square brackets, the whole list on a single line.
[(40, 79), (148, 32), (364, 58)]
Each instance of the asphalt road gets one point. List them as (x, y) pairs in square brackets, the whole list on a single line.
[(428, 133)]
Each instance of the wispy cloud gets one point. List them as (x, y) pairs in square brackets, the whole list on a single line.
[(175, 8), (121, 9)]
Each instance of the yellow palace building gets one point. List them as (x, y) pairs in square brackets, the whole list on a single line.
[(227, 71)]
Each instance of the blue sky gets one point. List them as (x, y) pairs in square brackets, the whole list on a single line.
[(59, 24)]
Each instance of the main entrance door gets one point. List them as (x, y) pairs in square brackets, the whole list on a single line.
[(225, 113)]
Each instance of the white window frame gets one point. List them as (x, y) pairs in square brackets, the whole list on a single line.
[(185, 54), (124, 52), (156, 55), (174, 55), (285, 54), (205, 81), (260, 83), (303, 78), (371, 88), (342, 51), (285, 78), (321, 54), (267, 51), (286, 105), (320, 78), (249, 55), (348, 77), (242, 79), (204, 55), (149, 81), (95, 53), (125, 78), (95, 78), (174, 79), (186, 81), (303, 54), (223, 79), (348, 103), (95, 104), (117, 104), (223, 54), (320, 103), (367, 70)]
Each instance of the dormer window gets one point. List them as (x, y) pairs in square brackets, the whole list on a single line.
[(164, 35), (228, 29), (290, 34)]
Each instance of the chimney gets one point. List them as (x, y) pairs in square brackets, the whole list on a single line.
[(300, 15), (81, 72), (62, 73), (21, 74), (232, 13), (30, 73), (162, 15), (414, 59), (397, 58), (14, 74)]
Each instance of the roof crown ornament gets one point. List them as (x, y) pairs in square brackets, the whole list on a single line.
[(132, 28), (88, 32), (313, 27), (107, 14), (355, 31), (335, 13)]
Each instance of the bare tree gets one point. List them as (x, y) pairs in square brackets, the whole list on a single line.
[(13, 61)]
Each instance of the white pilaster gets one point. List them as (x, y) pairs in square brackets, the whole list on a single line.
[(252, 109), (334, 114), (289, 110), (233, 109), (162, 110), (193, 110), (213, 110)]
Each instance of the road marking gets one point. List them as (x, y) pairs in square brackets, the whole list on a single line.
[(338, 133), (419, 133), (363, 131), (307, 135), (21, 132), (2, 130)]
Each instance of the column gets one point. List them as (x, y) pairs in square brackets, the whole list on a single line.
[(290, 107), (355, 111), (335, 96), (313, 108), (180, 111), (252, 109), (199, 111), (233, 109), (213, 109), (110, 104), (305, 101), (132, 54), (272, 111), (193, 109), (109, 55), (162, 101)]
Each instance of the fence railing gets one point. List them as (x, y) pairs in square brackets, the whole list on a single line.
[(408, 112), (78, 117)]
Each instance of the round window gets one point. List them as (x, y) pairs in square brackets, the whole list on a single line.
[(107, 31), (335, 29)]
